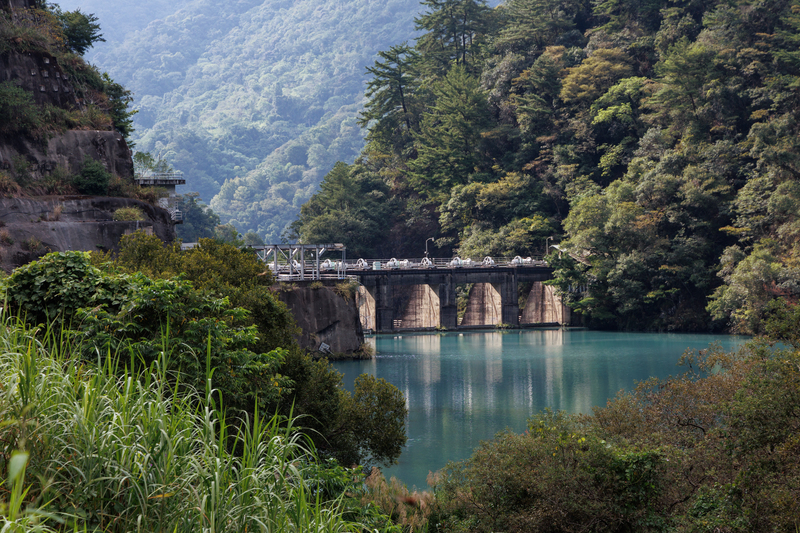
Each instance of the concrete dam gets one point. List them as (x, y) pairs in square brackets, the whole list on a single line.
[(423, 293), (425, 298)]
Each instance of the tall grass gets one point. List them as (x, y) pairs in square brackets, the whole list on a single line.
[(106, 450)]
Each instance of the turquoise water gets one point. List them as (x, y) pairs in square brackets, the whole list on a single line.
[(462, 388)]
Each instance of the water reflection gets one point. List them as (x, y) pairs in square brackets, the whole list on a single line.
[(463, 388)]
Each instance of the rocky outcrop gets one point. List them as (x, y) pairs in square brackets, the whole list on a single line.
[(36, 160), (68, 151), (32, 227), (40, 75), (33, 154), (324, 317)]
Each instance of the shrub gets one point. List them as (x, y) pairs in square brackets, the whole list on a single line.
[(123, 188), (367, 424), (5, 237), (133, 312), (57, 284), (346, 289), (154, 317), (55, 214), (555, 477), (31, 244), (59, 181), (93, 178), (129, 214), (409, 509), (8, 187), (18, 112)]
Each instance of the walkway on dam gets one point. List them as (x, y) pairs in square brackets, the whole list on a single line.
[(423, 293)]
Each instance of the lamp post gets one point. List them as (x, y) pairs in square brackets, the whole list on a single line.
[(426, 245), (546, 247)]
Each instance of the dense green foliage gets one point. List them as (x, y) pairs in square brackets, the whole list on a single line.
[(134, 316), (211, 305), (367, 425), (199, 220), (257, 100), (97, 448), (715, 449), (93, 178), (657, 142), (81, 30)]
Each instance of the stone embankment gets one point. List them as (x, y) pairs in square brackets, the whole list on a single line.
[(33, 227)]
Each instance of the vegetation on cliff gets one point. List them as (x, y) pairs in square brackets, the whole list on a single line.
[(42, 42), (656, 141), (63, 36)]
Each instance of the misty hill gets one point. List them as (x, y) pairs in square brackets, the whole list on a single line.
[(261, 95)]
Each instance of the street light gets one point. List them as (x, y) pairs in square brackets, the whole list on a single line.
[(546, 247), (426, 245)]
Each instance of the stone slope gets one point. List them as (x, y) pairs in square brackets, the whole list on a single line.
[(33, 227)]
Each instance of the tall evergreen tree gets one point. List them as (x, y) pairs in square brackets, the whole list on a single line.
[(390, 112), (448, 144), (454, 32)]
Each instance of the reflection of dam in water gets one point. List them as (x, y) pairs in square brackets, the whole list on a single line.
[(464, 387)]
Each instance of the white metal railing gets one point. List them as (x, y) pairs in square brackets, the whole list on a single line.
[(174, 177), (150, 175), (436, 262), (300, 270)]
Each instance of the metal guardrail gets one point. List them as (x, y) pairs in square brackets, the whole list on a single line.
[(437, 262), (160, 178), (329, 269)]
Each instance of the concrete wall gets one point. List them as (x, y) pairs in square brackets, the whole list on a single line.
[(484, 307), (421, 309), (391, 293), (544, 306)]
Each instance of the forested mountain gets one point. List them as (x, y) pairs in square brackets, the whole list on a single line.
[(254, 100), (657, 141)]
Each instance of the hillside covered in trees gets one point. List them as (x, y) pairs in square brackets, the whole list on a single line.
[(656, 141), (254, 101)]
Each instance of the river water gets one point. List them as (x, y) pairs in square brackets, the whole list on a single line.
[(462, 388)]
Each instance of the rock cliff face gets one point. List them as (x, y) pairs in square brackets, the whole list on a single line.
[(32, 227), (68, 151), (324, 317), (40, 75)]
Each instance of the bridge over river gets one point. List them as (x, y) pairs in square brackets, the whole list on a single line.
[(420, 294)]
